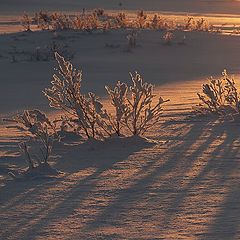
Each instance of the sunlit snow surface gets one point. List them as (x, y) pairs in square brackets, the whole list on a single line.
[(185, 185)]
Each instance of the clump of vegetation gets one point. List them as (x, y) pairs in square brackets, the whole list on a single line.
[(42, 134), (135, 111), (97, 19), (121, 21), (43, 20), (167, 38), (65, 94), (219, 96), (99, 12), (134, 108), (141, 19), (201, 24), (26, 22), (134, 105), (131, 40), (158, 22)]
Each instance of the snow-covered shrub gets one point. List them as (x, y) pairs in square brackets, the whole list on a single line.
[(167, 38), (192, 24), (202, 25), (77, 23), (121, 20), (35, 125), (134, 107), (219, 96), (188, 23), (99, 11), (157, 22), (91, 22), (65, 94), (142, 113), (132, 39), (43, 20), (99, 20), (61, 22), (141, 19), (26, 22)]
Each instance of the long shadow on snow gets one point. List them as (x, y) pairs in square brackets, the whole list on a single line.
[(94, 155), (200, 137)]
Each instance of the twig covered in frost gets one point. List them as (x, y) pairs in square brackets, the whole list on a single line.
[(118, 97)]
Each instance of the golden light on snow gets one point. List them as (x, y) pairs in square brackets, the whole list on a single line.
[(180, 182), (179, 188)]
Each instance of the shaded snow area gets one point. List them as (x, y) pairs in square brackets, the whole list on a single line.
[(179, 181), (185, 188)]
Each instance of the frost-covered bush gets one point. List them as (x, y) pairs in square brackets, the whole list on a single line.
[(121, 21), (192, 24), (65, 94), (26, 22), (131, 40), (167, 38), (60, 22), (99, 20), (134, 105), (35, 125), (157, 22), (141, 19), (142, 113), (43, 20), (219, 96), (99, 12)]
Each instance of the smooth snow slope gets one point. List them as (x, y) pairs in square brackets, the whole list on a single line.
[(187, 188), (22, 82)]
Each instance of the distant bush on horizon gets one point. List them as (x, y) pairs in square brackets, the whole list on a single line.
[(97, 19)]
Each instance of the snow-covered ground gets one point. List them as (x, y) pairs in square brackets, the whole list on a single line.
[(183, 185)]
